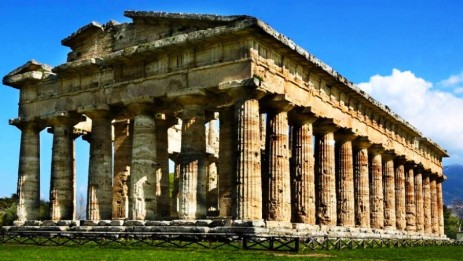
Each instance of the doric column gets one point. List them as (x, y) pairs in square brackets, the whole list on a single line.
[(248, 158), (345, 178), (434, 209), (325, 174), (427, 202), (376, 188), (361, 183), (122, 159), (419, 199), (278, 197), (400, 194), (28, 189), (99, 193), (192, 160), (226, 161), (212, 150), (389, 191), (410, 202), (175, 189), (62, 180), (440, 204), (302, 168), (142, 197), (162, 168)]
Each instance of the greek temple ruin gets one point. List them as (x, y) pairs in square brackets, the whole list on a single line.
[(263, 137)]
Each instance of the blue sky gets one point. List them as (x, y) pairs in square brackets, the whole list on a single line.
[(407, 54)]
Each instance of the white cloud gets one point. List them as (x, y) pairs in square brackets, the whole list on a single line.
[(437, 114), (454, 83)]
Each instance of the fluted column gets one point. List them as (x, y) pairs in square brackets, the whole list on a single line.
[(400, 208), (162, 169), (361, 183), (142, 197), (410, 202), (389, 191), (325, 174), (419, 199), (226, 162), (248, 159), (62, 180), (28, 189), (122, 160), (427, 202), (302, 169), (345, 178), (193, 176), (212, 170), (376, 188), (99, 193), (440, 205), (434, 209)]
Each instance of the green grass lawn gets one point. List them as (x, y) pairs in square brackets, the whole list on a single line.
[(10, 251)]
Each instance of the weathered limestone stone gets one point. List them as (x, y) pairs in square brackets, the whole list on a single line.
[(193, 175), (212, 174), (434, 210), (122, 160), (410, 204), (325, 174), (99, 196), (400, 194), (427, 203), (419, 199), (362, 184), (345, 178), (389, 191), (302, 169), (440, 205), (376, 188), (142, 198), (225, 167), (29, 171), (162, 168), (248, 167)]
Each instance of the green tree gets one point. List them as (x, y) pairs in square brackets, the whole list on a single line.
[(451, 223)]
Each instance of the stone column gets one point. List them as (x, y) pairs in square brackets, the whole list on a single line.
[(122, 159), (427, 202), (142, 197), (345, 178), (389, 191), (434, 209), (278, 201), (162, 168), (192, 160), (410, 202), (325, 174), (440, 205), (212, 150), (29, 171), (248, 159), (62, 181), (400, 208), (302, 169), (175, 189), (226, 162), (376, 188), (99, 194), (361, 183), (419, 199)]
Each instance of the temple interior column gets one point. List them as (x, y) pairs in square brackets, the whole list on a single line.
[(325, 176), (122, 159), (400, 194), (302, 169), (376, 188), (410, 202), (345, 178), (162, 169), (212, 150), (99, 194), (193, 176), (440, 205), (361, 183), (427, 202), (62, 181), (142, 197), (434, 209), (419, 199), (175, 188), (29, 172), (226, 162), (389, 191)]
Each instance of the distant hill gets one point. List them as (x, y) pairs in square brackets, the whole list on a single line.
[(453, 186)]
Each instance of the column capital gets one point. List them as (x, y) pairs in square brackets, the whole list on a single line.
[(277, 103), (388, 155), (22, 124), (140, 106), (301, 115), (361, 142), (400, 160), (344, 135), (376, 149), (65, 118), (95, 111), (324, 126)]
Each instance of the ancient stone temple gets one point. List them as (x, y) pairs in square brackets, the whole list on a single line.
[(262, 135)]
